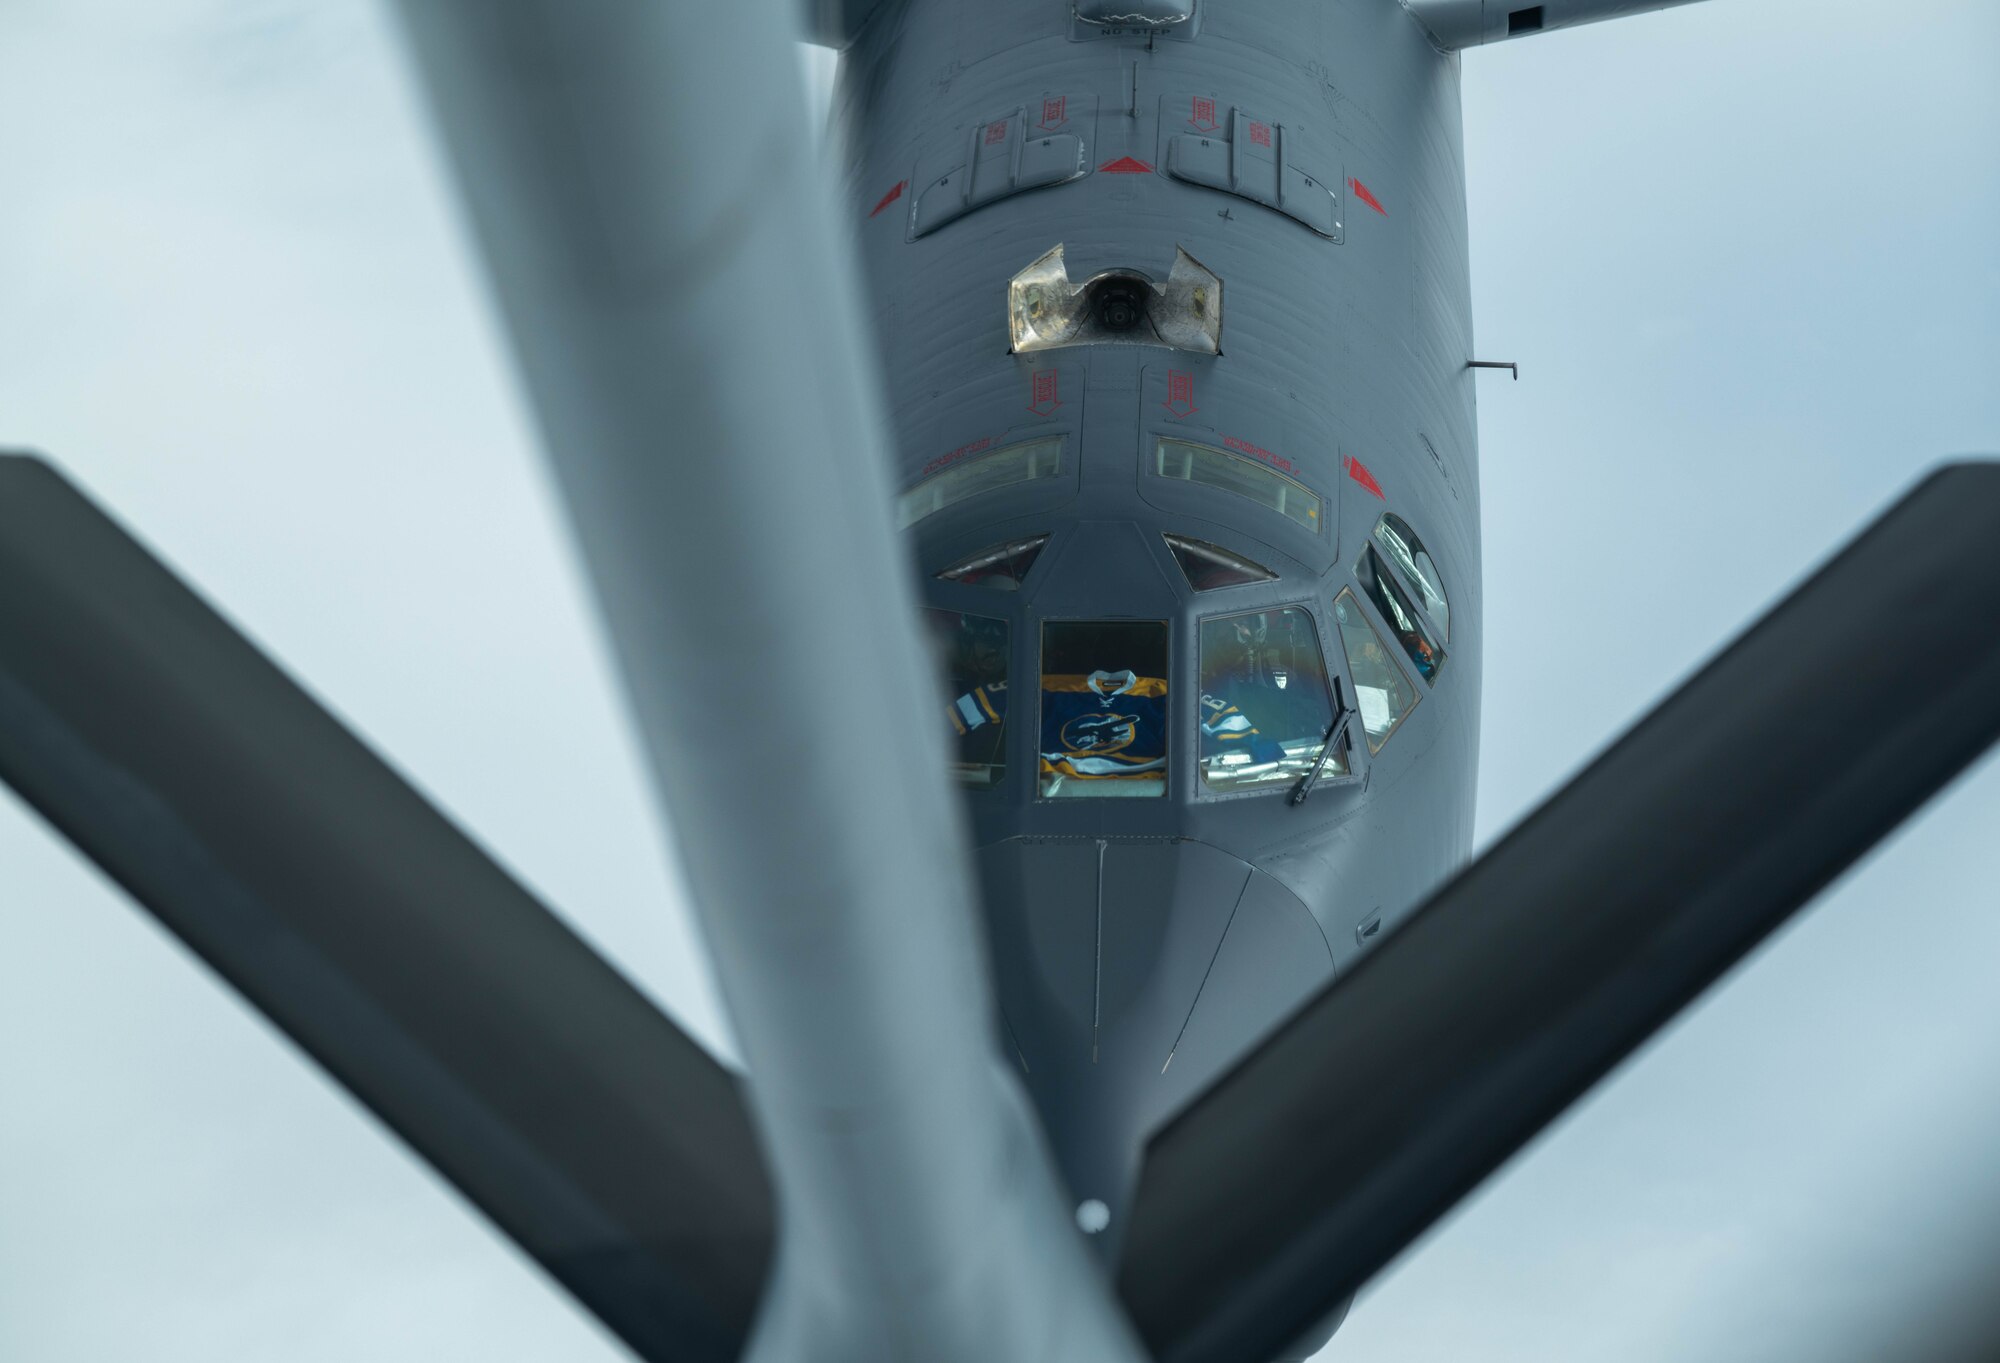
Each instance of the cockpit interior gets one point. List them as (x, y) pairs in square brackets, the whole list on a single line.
[(1271, 683)]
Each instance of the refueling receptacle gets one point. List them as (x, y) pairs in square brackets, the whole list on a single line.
[(1123, 306)]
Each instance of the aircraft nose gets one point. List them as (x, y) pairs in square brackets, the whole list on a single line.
[(1130, 973)]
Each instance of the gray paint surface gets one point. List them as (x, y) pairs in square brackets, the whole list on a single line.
[(1336, 346), (1591, 505), (605, 1141), (1459, 24), (1609, 909), (641, 273)]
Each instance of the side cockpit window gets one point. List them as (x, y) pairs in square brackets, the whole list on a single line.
[(1104, 708), (971, 653), (1265, 706), (1407, 555), (1425, 653), (1382, 694)]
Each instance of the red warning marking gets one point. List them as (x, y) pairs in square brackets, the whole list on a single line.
[(996, 133), (1245, 447), (1358, 471), (1260, 133), (966, 450), (1126, 165), (1203, 115), (890, 197), (1046, 400), (1366, 196), (1055, 112), (1180, 394)]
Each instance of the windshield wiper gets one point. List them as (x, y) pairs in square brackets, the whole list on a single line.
[(1336, 734)]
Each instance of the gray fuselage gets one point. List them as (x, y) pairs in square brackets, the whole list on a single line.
[(1141, 944)]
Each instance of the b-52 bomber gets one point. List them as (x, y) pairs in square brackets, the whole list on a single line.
[(1117, 984)]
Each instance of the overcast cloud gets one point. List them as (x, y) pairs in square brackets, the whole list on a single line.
[(1745, 255)]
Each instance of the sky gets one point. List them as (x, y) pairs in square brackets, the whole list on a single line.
[(1744, 256)]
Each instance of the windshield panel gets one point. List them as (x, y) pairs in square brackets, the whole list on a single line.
[(1104, 708), (1382, 694), (1265, 704), (971, 656)]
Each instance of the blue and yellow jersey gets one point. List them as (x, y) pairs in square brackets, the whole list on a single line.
[(1224, 728), (979, 707), (978, 716), (1101, 726)]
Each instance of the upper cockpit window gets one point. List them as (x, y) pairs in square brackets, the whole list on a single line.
[(1265, 704), (971, 653), (1426, 654), (1244, 477), (1002, 567), (1021, 463), (1209, 566), (1407, 554), (1382, 694), (1104, 708)]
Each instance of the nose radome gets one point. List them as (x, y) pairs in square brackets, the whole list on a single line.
[(1131, 972)]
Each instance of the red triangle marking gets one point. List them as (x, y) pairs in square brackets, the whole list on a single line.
[(1126, 165), (1366, 196), (1358, 471), (890, 197)]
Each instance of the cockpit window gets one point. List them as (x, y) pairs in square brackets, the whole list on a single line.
[(1021, 463), (1235, 473), (1381, 692), (1265, 705), (1002, 567), (1209, 566), (1406, 553), (1426, 653), (1104, 708), (971, 653)]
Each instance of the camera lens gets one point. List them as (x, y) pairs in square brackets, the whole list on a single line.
[(1120, 305)]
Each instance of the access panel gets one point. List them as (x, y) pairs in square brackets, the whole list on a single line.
[(1029, 147), (1224, 147)]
